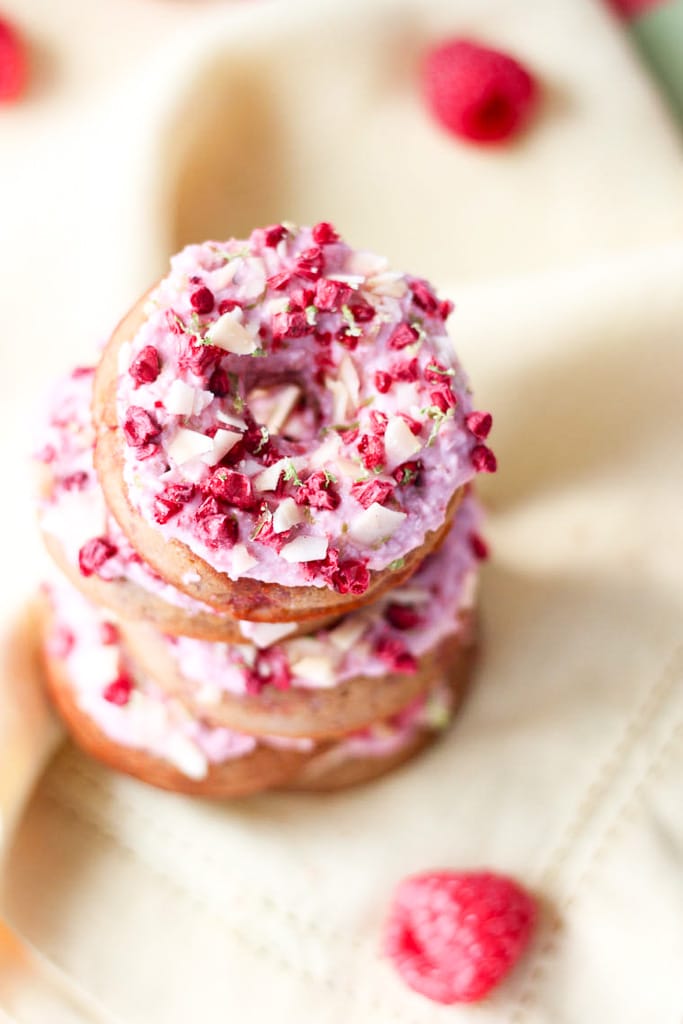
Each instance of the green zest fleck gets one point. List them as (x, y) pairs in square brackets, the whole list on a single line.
[(351, 328), (265, 438), (311, 315), (438, 416), (407, 476), (330, 478), (259, 352), (377, 470), (437, 369), (342, 427), (397, 563), (237, 399), (265, 518), (241, 254), (291, 474)]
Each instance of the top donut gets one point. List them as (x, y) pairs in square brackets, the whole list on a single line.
[(283, 428)]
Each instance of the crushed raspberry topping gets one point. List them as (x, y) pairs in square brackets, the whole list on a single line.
[(479, 424), (145, 367), (483, 459), (477, 93), (454, 935), (94, 554), (282, 372), (119, 691)]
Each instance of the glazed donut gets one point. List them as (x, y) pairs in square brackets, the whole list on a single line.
[(283, 430), (362, 669), (89, 546), (129, 724)]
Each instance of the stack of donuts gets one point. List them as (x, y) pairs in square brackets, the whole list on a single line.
[(260, 510)]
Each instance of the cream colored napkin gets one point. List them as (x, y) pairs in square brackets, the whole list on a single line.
[(564, 764)]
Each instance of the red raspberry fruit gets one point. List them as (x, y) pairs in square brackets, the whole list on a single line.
[(477, 93), (453, 935), (13, 64)]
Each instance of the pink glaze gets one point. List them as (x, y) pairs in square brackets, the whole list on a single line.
[(368, 643), (364, 346), (74, 511), (87, 641)]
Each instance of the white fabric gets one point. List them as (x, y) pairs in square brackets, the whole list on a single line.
[(156, 123)]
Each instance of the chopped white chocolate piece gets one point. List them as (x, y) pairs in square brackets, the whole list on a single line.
[(263, 634), (180, 398), (375, 523), (223, 442), (346, 635), (400, 443), (241, 559), (286, 515), (229, 333), (318, 669), (304, 549), (349, 378), (188, 445)]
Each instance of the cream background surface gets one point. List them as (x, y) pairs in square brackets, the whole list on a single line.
[(153, 123)]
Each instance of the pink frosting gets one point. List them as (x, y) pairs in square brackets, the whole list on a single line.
[(86, 639), (74, 511), (358, 346), (392, 634)]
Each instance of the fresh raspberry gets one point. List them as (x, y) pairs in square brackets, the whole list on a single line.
[(13, 64), (371, 448), (290, 325), (395, 655), (453, 935), (477, 93)]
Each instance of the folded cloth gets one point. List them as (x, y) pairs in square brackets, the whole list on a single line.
[(564, 767)]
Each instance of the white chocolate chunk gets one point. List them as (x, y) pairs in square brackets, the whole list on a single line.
[(305, 549), (389, 284), (180, 398), (267, 480), (318, 669), (340, 399), (263, 634), (286, 515), (232, 421), (202, 400), (241, 559), (349, 378), (283, 405), (223, 442), (188, 445), (400, 444), (345, 636), (229, 334), (186, 756), (375, 523)]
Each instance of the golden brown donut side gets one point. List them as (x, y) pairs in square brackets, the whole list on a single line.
[(317, 713)]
